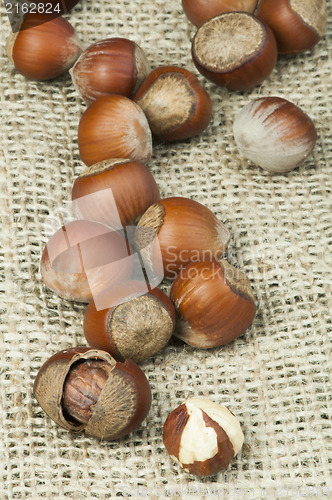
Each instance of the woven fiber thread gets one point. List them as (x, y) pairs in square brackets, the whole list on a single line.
[(275, 378)]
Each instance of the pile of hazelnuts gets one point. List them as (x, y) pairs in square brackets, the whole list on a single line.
[(100, 389)]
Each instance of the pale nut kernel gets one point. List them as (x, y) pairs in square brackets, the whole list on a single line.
[(202, 436)]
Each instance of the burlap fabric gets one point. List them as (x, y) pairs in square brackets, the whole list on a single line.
[(275, 378)]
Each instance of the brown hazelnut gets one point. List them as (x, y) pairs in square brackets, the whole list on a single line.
[(214, 303), (84, 257), (183, 230), (136, 327), (44, 47), (114, 127), (84, 389), (235, 50), (114, 191), (111, 66), (202, 436), (175, 103), (199, 11), (297, 24)]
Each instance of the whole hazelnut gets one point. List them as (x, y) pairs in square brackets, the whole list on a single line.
[(199, 11), (111, 66), (115, 191), (214, 303), (297, 24), (82, 258), (274, 134), (235, 50), (84, 389), (44, 47), (114, 127), (202, 436), (135, 324), (175, 103), (183, 230)]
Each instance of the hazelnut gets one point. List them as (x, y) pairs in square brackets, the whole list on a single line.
[(202, 436), (135, 325), (84, 389), (199, 11), (114, 192), (214, 303), (175, 103), (183, 230), (111, 66), (114, 127), (44, 47), (84, 257), (235, 50), (297, 24), (274, 134)]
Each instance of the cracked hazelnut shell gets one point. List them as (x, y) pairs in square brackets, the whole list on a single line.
[(84, 389)]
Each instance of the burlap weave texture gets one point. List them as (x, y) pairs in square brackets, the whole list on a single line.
[(275, 378)]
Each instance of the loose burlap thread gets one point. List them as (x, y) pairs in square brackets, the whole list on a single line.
[(275, 378)]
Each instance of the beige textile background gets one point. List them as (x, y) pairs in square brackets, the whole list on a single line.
[(275, 378)]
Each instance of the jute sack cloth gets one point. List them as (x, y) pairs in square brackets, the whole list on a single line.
[(275, 378)]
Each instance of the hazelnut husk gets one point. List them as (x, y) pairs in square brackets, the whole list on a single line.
[(84, 389)]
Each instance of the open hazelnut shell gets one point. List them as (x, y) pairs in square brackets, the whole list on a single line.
[(123, 402)]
